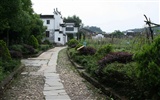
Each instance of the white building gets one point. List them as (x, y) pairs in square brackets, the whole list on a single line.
[(98, 36), (58, 31)]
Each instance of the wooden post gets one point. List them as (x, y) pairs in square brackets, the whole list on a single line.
[(149, 24)]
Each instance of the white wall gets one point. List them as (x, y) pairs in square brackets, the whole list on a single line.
[(98, 36), (57, 35), (49, 26)]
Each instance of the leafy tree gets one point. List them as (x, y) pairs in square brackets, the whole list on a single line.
[(94, 29), (9, 10), (33, 42), (18, 21), (117, 33), (74, 19)]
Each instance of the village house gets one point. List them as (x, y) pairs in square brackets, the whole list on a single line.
[(57, 31), (88, 33)]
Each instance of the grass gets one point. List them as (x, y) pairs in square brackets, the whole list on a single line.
[(121, 77)]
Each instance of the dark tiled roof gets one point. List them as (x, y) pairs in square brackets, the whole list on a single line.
[(46, 16), (63, 25), (56, 30)]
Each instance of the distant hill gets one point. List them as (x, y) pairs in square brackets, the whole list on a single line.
[(94, 29)]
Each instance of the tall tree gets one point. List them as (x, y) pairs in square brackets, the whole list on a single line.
[(74, 19), (9, 10), (18, 20)]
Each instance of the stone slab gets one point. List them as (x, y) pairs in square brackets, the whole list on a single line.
[(55, 92), (62, 97), (54, 88)]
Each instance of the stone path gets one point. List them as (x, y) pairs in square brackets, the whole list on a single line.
[(53, 88)]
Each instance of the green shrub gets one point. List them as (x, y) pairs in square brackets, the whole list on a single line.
[(33, 42), (16, 54), (72, 43), (16, 47), (148, 70), (10, 66), (78, 45), (44, 47), (27, 49), (47, 42), (1, 73), (4, 52), (104, 50)]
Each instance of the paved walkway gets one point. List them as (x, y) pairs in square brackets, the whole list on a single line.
[(53, 88)]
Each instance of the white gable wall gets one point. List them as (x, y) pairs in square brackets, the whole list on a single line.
[(49, 26)]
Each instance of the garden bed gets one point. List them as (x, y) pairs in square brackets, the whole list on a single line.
[(107, 91), (4, 83)]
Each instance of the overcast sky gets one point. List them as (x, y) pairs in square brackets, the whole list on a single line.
[(109, 15)]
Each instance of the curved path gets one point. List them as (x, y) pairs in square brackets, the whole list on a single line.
[(53, 88)]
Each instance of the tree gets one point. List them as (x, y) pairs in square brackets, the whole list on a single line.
[(9, 10), (94, 29), (117, 33), (18, 21), (74, 19)]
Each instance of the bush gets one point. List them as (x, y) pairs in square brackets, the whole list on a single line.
[(16, 54), (78, 45), (102, 51), (72, 43), (47, 42), (33, 42), (4, 52), (16, 48), (121, 57), (9, 66), (44, 47), (28, 49), (87, 51), (148, 70), (1, 73)]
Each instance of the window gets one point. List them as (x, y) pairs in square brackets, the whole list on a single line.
[(59, 39), (47, 33), (69, 29), (48, 21)]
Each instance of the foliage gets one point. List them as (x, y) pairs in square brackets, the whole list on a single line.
[(1, 73), (122, 57), (33, 42), (72, 43), (104, 50), (117, 33), (16, 54), (87, 51), (78, 45), (18, 21), (16, 47), (94, 29), (28, 49), (9, 66), (148, 68), (74, 19), (47, 42), (4, 52), (44, 47)]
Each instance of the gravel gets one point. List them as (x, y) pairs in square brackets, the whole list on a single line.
[(29, 86), (76, 87), (26, 86)]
